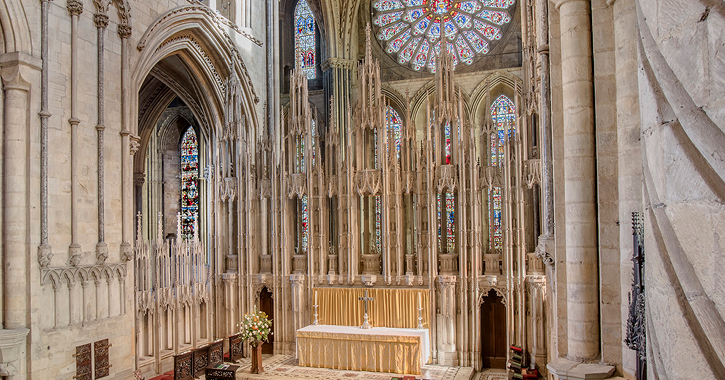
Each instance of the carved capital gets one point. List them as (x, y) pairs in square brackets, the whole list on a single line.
[(124, 30), (101, 20), (101, 253), (75, 7), (126, 251), (134, 144)]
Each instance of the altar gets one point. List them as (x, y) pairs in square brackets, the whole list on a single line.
[(378, 349)]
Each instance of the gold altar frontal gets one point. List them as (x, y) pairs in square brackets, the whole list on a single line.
[(401, 351)]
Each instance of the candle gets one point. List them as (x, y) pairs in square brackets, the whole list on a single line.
[(315, 297), (420, 303)]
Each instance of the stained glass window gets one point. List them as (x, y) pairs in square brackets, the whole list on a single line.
[(300, 154), (503, 113), (396, 124), (447, 132), (378, 223), (305, 225), (448, 218), (412, 29), (189, 183), (305, 39)]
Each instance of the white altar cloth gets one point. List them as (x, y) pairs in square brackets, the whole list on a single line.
[(379, 349)]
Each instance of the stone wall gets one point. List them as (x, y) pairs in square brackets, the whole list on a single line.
[(682, 94), (73, 303)]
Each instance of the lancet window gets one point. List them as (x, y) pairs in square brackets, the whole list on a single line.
[(305, 44), (395, 124), (503, 113), (189, 183), (447, 223)]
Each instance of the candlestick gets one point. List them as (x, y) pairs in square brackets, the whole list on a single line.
[(315, 321), (420, 318)]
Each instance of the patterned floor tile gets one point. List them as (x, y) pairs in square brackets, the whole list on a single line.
[(284, 367)]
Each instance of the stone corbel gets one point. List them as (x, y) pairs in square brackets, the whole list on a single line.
[(446, 178), (543, 249), (12, 343)]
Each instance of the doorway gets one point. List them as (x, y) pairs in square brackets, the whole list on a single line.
[(266, 304), (493, 331)]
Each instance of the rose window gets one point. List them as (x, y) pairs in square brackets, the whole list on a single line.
[(412, 29)]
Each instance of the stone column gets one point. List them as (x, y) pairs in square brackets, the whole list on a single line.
[(447, 354), (45, 251), (628, 149), (101, 21), (547, 163), (16, 69), (580, 180), (297, 284), (124, 32), (75, 8)]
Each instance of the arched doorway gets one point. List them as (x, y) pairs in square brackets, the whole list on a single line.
[(493, 330), (266, 304)]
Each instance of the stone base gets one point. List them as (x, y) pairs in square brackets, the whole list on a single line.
[(448, 358), (565, 369)]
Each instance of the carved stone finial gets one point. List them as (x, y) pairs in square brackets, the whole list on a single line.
[(75, 7)]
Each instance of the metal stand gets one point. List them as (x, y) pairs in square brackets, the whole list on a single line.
[(366, 324), (420, 318), (315, 321)]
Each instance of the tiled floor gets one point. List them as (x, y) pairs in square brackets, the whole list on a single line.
[(283, 367)]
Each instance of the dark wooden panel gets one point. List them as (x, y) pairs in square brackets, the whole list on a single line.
[(266, 304), (184, 366), (83, 363), (100, 355), (216, 353), (493, 331), (201, 360), (236, 346)]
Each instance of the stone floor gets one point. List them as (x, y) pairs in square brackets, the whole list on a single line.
[(284, 367)]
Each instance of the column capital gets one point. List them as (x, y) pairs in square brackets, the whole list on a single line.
[(75, 7), (559, 3), (14, 69)]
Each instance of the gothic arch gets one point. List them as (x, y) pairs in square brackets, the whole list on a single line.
[(14, 27), (193, 34), (418, 103), (500, 82)]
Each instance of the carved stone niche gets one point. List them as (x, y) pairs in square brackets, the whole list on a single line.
[(265, 264), (332, 264), (492, 263), (409, 260), (371, 263), (299, 264), (449, 263)]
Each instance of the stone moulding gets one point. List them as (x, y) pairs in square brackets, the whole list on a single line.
[(55, 276)]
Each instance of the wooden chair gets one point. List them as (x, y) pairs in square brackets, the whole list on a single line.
[(201, 360), (216, 353)]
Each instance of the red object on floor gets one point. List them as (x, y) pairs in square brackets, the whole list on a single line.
[(169, 373), (162, 377)]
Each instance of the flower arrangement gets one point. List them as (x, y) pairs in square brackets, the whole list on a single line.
[(255, 326)]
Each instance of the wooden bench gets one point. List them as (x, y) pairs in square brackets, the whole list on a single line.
[(236, 345), (183, 368)]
